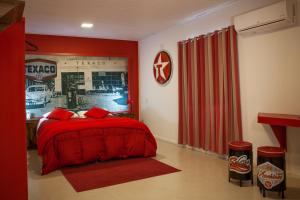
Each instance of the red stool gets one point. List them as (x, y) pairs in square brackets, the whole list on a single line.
[(240, 161), (271, 169)]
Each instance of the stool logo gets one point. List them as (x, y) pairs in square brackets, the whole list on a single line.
[(269, 175), (241, 165), (40, 69)]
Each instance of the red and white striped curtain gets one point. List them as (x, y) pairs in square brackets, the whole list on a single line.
[(209, 93)]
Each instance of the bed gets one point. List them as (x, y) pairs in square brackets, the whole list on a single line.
[(81, 140)]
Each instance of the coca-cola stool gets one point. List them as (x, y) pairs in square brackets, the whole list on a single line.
[(240, 161), (271, 169)]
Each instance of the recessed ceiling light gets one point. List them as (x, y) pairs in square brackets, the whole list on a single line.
[(87, 25)]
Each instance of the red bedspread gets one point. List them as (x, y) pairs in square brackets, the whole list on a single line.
[(78, 141)]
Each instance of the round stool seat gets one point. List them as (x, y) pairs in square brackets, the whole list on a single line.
[(268, 151), (240, 145)]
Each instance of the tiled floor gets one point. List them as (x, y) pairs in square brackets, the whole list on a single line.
[(203, 177)]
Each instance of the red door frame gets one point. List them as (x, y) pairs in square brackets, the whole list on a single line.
[(13, 167)]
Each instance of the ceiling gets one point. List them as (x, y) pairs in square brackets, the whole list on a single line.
[(113, 19), (4, 8)]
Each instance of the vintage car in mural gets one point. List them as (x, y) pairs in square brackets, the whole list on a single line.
[(38, 95)]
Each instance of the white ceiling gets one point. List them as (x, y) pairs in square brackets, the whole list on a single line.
[(114, 19), (4, 8)]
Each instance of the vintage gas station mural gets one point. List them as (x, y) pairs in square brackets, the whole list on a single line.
[(76, 83)]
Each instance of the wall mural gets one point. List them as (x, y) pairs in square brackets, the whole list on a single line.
[(75, 83)]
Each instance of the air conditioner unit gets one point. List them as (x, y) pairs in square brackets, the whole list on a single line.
[(266, 19)]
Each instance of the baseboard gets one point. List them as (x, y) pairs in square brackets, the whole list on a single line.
[(293, 173), (166, 139), (190, 147)]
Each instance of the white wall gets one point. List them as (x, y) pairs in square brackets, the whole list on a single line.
[(269, 74), (269, 69)]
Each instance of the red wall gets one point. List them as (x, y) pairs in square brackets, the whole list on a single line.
[(13, 163), (61, 45)]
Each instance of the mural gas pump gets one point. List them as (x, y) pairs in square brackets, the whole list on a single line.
[(71, 97)]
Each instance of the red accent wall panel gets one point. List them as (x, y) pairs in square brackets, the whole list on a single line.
[(63, 45), (13, 166)]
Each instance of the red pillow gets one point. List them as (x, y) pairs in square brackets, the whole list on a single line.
[(60, 114), (97, 113)]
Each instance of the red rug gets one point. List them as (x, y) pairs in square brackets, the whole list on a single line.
[(109, 173)]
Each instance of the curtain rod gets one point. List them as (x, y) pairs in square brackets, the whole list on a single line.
[(205, 35)]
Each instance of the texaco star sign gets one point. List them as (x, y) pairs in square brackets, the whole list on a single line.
[(162, 67)]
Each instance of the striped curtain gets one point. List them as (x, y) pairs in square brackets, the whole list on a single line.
[(209, 94)]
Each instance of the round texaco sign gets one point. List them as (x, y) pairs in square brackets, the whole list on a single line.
[(162, 67)]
